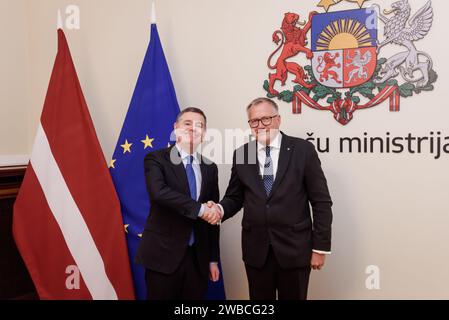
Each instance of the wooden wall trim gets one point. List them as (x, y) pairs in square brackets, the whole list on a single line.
[(10, 181), (12, 171)]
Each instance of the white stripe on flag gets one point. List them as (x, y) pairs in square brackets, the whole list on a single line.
[(74, 229)]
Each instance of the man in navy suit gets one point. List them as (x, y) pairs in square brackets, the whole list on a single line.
[(179, 249)]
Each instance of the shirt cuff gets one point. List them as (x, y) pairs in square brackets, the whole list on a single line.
[(213, 262), (322, 252), (221, 209), (200, 214)]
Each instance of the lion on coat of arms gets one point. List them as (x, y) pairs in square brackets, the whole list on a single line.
[(294, 40)]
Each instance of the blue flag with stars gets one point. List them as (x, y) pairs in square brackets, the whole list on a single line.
[(147, 127)]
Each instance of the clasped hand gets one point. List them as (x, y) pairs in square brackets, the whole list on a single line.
[(212, 213)]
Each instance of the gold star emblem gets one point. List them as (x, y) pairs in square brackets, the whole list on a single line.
[(147, 142), (360, 2), (126, 228), (326, 4), (112, 163), (139, 235), (126, 147)]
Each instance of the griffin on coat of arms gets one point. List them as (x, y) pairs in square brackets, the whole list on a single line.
[(344, 54), (403, 31), (359, 62)]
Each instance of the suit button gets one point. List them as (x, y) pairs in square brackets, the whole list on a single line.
[(267, 206)]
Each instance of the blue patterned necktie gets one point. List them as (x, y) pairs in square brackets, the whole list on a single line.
[(268, 177), (192, 186)]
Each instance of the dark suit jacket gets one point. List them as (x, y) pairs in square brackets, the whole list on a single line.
[(282, 219), (173, 214)]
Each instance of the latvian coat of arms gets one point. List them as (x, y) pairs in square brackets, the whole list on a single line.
[(346, 70)]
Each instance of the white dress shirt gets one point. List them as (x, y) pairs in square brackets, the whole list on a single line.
[(195, 165), (275, 149)]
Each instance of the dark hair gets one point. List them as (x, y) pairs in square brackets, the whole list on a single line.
[(194, 110), (257, 101)]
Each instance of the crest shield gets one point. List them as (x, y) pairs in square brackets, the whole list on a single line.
[(344, 44)]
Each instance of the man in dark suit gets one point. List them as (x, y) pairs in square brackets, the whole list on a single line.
[(179, 249), (274, 179)]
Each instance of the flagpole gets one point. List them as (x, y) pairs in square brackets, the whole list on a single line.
[(153, 13), (59, 21)]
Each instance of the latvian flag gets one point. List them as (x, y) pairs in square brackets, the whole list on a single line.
[(67, 221)]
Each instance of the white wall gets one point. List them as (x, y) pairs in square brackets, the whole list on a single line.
[(390, 210), (14, 75)]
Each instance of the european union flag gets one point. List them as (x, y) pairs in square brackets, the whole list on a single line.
[(147, 127)]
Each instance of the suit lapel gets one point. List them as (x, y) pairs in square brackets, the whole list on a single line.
[(203, 168), (284, 159), (256, 177), (175, 160), (251, 156)]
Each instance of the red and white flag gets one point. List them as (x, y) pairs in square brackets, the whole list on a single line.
[(67, 219)]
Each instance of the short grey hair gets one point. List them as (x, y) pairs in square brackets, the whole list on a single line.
[(258, 101)]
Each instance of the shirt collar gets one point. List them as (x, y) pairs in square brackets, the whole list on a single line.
[(274, 144), (185, 155)]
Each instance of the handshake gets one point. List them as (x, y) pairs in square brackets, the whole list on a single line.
[(212, 213)]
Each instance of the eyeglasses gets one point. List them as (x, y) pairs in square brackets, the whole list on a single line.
[(266, 121)]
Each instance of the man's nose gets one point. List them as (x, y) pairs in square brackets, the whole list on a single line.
[(261, 125)]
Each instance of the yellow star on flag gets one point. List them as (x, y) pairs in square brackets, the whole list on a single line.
[(147, 142), (112, 163), (139, 235), (126, 147), (126, 228)]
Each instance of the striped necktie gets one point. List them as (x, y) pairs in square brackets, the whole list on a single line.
[(268, 177)]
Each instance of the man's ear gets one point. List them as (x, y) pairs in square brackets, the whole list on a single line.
[(203, 135)]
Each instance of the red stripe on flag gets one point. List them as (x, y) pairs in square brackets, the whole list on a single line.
[(37, 234)]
